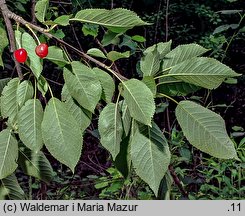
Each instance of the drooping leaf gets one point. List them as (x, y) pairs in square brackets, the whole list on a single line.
[(110, 128), (106, 82), (84, 86), (25, 92), (182, 53), (150, 63), (116, 20), (8, 153), (29, 121), (9, 105), (3, 44), (150, 155), (56, 55), (162, 48), (62, 20), (205, 130), (82, 116), (35, 164), (139, 99), (174, 87), (114, 55), (41, 9), (205, 72), (61, 133), (96, 52), (10, 189), (29, 44)]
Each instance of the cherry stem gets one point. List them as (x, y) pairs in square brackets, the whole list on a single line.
[(34, 34)]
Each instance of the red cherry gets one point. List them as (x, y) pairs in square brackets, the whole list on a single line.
[(42, 50), (20, 55)]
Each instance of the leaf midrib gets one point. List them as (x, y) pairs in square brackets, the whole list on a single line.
[(142, 112), (58, 121), (5, 153)]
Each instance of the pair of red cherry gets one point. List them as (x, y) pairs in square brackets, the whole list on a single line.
[(21, 54)]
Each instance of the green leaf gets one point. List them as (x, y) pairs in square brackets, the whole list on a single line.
[(61, 133), (173, 87), (3, 83), (83, 85), (126, 117), (62, 20), (205, 72), (150, 63), (230, 11), (56, 55), (25, 91), (182, 53), (110, 129), (90, 29), (41, 9), (205, 130), (106, 82), (96, 52), (128, 42), (29, 119), (35, 164), (114, 55), (151, 84), (225, 27), (231, 81), (138, 38), (3, 44), (18, 35), (10, 189), (83, 117), (123, 159), (140, 101), (162, 48), (59, 34), (42, 85), (8, 153), (117, 20), (150, 155), (35, 63), (9, 105), (110, 38)]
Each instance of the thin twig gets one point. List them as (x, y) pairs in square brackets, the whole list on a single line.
[(19, 19), (4, 10), (60, 2), (112, 4), (76, 38), (157, 22), (177, 181), (166, 20), (33, 16)]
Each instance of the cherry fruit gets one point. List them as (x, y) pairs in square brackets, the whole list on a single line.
[(42, 50), (20, 55)]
